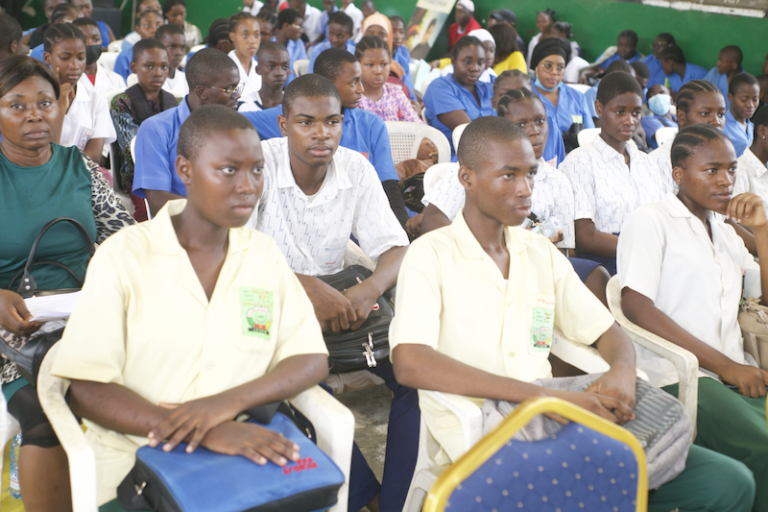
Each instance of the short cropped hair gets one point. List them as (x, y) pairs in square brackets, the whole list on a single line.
[(475, 140), (59, 32), (330, 62), (691, 137), (205, 120), (629, 34), (287, 17), (686, 95), (515, 96), (467, 41), (616, 84), (343, 19), (674, 53), (170, 30), (170, 4), (741, 79), (618, 65), (309, 86), (270, 46), (86, 22), (146, 44), (206, 65), (394, 19), (510, 73), (10, 30), (62, 10), (669, 38), (734, 53), (641, 70)]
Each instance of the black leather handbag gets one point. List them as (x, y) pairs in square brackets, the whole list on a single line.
[(29, 356), (362, 348)]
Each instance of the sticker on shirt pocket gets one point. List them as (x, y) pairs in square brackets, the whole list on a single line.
[(542, 310), (257, 308), (577, 119)]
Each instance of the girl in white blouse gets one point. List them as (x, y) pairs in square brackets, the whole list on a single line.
[(752, 173), (245, 35)]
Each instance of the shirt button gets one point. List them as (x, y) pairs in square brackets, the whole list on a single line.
[(725, 312), (511, 354)]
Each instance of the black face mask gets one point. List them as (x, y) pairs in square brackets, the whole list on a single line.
[(92, 53)]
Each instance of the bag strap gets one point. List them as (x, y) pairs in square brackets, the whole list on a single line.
[(28, 282), (141, 104)]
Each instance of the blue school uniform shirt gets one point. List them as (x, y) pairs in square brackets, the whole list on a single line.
[(319, 48), (37, 52), (155, 157), (571, 108), (123, 63), (741, 139), (616, 56), (445, 95), (105, 40), (128, 41), (692, 72), (403, 57), (324, 19), (654, 66), (296, 51), (720, 80), (652, 123), (555, 148), (361, 131), (590, 96)]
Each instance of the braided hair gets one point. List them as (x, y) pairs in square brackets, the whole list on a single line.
[(237, 18), (59, 32), (686, 95), (515, 96), (691, 137), (370, 43)]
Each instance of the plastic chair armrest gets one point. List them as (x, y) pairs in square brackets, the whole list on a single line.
[(470, 416), (583, 357)]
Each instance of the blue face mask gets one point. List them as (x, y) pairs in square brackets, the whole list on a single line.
[(659, 104), (539, 85)]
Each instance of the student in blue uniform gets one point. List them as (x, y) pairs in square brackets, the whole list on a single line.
[(460, 97), (362, 131), (652, 61), (626, 48), (146, 24), (563, 103), (744, 96), (339, 32), (659, 101), (400, 53), (62, 13), (677, 70), (728, 65), (289, 32)]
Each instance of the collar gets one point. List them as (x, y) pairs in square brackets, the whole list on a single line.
[(470, 247), (609, 153), (336, 178), (753, 163), (163, 237), (182, 111), (85, 89)]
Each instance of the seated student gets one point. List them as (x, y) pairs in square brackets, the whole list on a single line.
[(86, 9), (626, 49), (591, 94), (698, 101), (744, 96), (379, 97), (362, 131), (368, 8), (379, 25), (329, 7), (459, 98), (482, 255), (642, 75), (610, 178), (508, 17), (87, 124), (125, 367), (339, 36), (488, 75), (175, 11), (677, 70), (143, 5), (401, 53), (465, 22), (728, 65), (146, 24), (103, 79), (508, 55), (683, 273), (218, 37), (138, 103), (62, 13), (751, 172), (659, 102), (310, 181), (172, 38), (36, 37), (10, 37), (576, 63), (652, 61), (544, 21), (267, 25), (245, 35), (565, 104), (348, 6), (273, 66), (289, 35), (213, 79), (554, 150), (311, 16)]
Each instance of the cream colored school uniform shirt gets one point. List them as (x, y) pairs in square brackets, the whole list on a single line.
[(143, 321), (452, 297)]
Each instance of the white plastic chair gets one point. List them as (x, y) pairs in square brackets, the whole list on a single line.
[(457, 132), (685, 362), (424, 116), (405, 138), (582, 88), (111, 94), (197, 48), (437, 172), (334, 427), (9, 427), (666, 135), (131, 80), (424, 85), (115, 46), (300, 67), (587, 135), (107, 60)]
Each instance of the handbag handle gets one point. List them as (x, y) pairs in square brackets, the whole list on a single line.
[(28, 282)]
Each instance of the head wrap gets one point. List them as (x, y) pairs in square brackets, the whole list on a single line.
[(504, 15), (550, 46), (382, 21), (467, 5), (483, 35)]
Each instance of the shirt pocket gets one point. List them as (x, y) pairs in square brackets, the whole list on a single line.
[(255, 327), (540, 322)]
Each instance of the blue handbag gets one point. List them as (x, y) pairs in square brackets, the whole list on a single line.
[(205, 481)]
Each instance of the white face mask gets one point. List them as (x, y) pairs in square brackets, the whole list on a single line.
[(659, 104)]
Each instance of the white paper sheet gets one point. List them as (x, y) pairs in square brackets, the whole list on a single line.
[(52, 307)]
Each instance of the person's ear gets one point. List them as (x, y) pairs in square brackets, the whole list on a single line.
[(730, 97), (184, 170), (133, 67), (47, 58), (677, 175), (281, 122), (466, 177), (680, 118), (599, 109), (202, 93), (13, 48), (762, 132)]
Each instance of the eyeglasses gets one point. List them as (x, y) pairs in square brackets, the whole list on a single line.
[(659, 46), (549, 68), (297, 27), (234, 92)]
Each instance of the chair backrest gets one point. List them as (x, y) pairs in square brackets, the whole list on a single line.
[(436, 173), (107, 60), (582, 88), (424, 116), (111, 94), (590, 464), (424, 85), (405, 138), (300, 67), (131, 80), (457, 132), (587, 135), (666, 135), (197, 48), (115, 46)]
